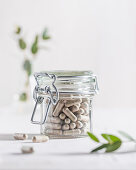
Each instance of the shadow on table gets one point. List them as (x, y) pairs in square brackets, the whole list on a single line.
[(90, 154)]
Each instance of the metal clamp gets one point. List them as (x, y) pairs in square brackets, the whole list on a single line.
[(53, 96)]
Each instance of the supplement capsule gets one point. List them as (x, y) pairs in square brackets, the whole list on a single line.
[(62, 116), (70, 114), (53, 126), (84, 131), (79, 125), (84, 105), (65, 127), (86, 112), (20, 136), (73, 102), (72, 125), (83, 118), (27, 149), (40, 138), (53, 132), (67, 120), (72, 132), (58, 108), (85, 100), (54, 120), (80, 111), (74, 108)]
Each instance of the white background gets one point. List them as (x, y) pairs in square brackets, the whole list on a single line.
[(93, 35)]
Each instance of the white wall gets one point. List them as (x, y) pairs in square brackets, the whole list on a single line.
[(97, 35)]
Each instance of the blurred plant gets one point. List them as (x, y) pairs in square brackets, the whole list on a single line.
[(113, 142), (33, 50)]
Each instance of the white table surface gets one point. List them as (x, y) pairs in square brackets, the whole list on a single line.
[(69, 154)]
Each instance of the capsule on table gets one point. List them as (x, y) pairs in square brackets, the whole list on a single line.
[(20, 136), (27, 149), (40, 138)]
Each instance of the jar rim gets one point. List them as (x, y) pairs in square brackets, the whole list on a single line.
[(69, 73), (68, 81)]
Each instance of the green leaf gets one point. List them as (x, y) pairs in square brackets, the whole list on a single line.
[(34, 48), (126, 135), (93, 137), (22, 43), (18, 30), (110, 138), (23, 97), (114, 146), (100, 147), (27, 67), (45, 35)]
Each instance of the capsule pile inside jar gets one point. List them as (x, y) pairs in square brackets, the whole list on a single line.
[(70, 117)]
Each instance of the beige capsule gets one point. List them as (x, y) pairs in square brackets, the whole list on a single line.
[(53, 132), (69, 114), (65, 127), (80, 111), (84, 105), (54, 119), (85, 124), (78, 104), (62, 116), (83, 118), (73, 102), (86, 111), (58, 107), (20, 136), (40, 138), (79, 124), (27, 149), (85, 100), (67, 121), (72, 132), (72, 125), (53, 125), (74, 108)]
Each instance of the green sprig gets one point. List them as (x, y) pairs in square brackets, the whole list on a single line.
[(113, 142)]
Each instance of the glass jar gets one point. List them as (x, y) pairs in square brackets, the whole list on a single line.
[(65, 98)]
